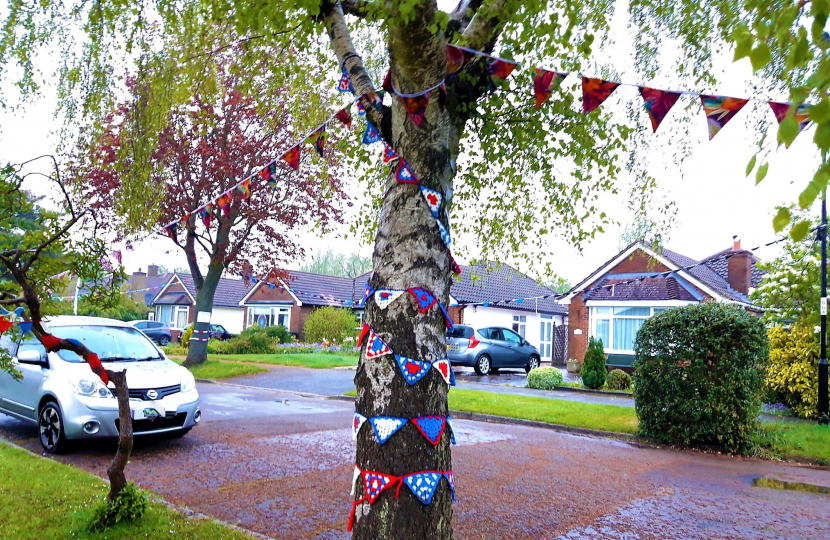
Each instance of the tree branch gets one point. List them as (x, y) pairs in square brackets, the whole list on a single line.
[(50, 240), (484, 28)]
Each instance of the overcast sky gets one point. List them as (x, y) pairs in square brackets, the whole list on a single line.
[(713, 198)]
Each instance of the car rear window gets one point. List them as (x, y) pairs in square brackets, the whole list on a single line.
[(460, 332)]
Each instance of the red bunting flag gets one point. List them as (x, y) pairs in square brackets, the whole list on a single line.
[(244, 188), (801, 114), (457, 58), (720, 110), (292, 157), (544, 83), (206, 213), (5, 325), (344, 116), (594, 92), (224, 204), (658, 104), (499, 70), (416, 107)]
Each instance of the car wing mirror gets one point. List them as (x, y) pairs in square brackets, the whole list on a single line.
[(30, 356)]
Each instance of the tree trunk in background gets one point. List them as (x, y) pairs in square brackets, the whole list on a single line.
[(197, 350), (115, 471)]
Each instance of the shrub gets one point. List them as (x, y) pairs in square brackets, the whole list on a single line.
[(186, 335), (593, 365), (792, 375), (618, 380), (545, 378), (330, 324), (699, 376), (280, 333), (128, 505)]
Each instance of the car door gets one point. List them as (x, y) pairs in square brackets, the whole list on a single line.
[(513, 342), (155, 330), (22, 396), (144, 327), (500, 353)]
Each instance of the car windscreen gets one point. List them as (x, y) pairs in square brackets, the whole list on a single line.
[(110, 343)]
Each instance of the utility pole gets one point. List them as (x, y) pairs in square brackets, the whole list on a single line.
[(823, 417)]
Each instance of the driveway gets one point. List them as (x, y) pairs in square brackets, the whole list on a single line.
[(280, 465)]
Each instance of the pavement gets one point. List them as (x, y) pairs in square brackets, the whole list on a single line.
[(280, 464)]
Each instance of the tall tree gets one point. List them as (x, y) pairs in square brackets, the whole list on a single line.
[(206, 147), (332, 263)]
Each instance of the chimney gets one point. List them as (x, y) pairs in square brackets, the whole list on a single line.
[(153, 271), (739, 267), (138, 281), (736, 243)]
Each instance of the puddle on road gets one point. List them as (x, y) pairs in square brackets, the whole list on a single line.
[(772, 483)]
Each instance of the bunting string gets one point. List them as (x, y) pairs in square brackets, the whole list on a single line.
[(424, 298), (431, 426)]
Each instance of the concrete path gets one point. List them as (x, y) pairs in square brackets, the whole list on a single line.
[(281, 465)]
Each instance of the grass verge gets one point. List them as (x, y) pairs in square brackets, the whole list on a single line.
[(800, 440), (309, 360), (214, 369), (44, 499)]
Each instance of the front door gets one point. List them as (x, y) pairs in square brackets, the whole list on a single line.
[(546, 338)]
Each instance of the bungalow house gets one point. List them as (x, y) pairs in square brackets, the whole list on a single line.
[(614, 301)]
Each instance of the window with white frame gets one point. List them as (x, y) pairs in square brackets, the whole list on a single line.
[(519, 323), (617, 327), (180, 316), (263, 316)]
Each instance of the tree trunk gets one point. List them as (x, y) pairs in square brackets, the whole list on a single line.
[(115, 471), (197, 350)]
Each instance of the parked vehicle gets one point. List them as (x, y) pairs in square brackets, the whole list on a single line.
[(489, 349), (157, 331), (61, 395), (217, 331)]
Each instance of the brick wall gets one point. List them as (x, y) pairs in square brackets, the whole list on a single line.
[(577, 319)]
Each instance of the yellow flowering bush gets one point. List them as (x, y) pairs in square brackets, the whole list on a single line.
[(792, 372)]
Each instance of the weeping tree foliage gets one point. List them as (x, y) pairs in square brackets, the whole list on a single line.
[(510, 175)]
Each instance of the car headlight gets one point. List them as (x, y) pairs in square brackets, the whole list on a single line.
[(90, 387), (188, 381)]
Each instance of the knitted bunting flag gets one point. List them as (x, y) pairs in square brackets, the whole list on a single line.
[(387, 82), (292, 157), (594, 92), (454, 266), (373, 100), (452, 431), (354, 478), (425, 298), (357, 424), (423, 484), (499, 70), (363, 333), (405, 173), (267, 172), (244, 188), (25, 326), (345, 85), (366, 294), (386, 426), (544, 83), (431, 427), (344, 116), (371, 135), (224, 203), (801, 114), (416, 107), (375, 483), (389, 153), (361, 111), (412, 370), (658, 104), (444, 368), (445, 234), (376, 346), (4, 325), (384, 297), (720, 110), (451, 479), (433, 199), (447, 319)]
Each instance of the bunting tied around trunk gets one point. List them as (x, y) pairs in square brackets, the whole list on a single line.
[(424, 299), (422, 484), (431, 427), (412, 370)]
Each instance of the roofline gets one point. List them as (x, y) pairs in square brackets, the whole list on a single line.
[(260, 283), (169, 282)]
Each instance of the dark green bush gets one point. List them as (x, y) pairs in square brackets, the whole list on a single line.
[(545, 378), (618, 380), (699, 376), (130, 504), (593, 365), (252, 340), (280, 333)]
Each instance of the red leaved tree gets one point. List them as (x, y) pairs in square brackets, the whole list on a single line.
[(202, 153)]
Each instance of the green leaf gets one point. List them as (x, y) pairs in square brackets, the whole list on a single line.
[(751, 164), (820, 112), (822, 136), (822, 176), (743, 42), (800, 230), (788, 130), (762, 172), (808, 196), (781, 219), (760, 56)]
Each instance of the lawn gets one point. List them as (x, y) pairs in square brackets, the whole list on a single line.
[(802, 440), (309, 360), (213, 369), (41, 498)]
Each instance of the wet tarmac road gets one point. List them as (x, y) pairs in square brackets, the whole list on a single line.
[(281, 464)]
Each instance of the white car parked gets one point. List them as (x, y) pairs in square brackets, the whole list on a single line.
[(62, 396)]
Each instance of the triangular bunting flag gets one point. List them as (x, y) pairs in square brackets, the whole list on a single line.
[(244, 188), (387, 81), (267, 172), (206, 213), (499, 70), (361, 111), (594, 92), (658, 104), (801, 114), (344, 116), (373, 99), (318, 139), (416, 107), (431, 427), (386, 426), (363, 333), (171, 230), (224, 203), (366, 294), (452, 377), (19, 311), (423, 485), (452, 431), (405, 174), (433, 199), (544, 83), (444, 368), (445, 234), (376, 346), (375, 483), (456, 270), (25, 327), (412, 370), (384, 297), (356, 424), (720, 110), (354, 478), (4, 325), (457, 58), (371, 135), (345, 85), (389, 153), (447, 319), (425, 298), (451, 479), (292, 157)]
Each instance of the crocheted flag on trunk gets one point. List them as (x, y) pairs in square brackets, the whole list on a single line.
[(423, 485), (405, 173), (444, 368), (386, 426), (452, 431), (371, 134), (544, 83), (375, 483), (594, 92), (445, 234), (454, 266), (366, 294), (344, 116), (376, 346), (345, 85), (658, 103), (363, 333), (412, 370), (416, 107), (389, 153), (431, 427), (425, 298), (356, 424), (292, 157), (447, 319), (433, 199), (720, 110), (354, 478), (451, 479), (384, 297)]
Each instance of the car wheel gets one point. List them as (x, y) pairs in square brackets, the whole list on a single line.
[(164, 340), (483, 364), (50, 424), (532, 363)]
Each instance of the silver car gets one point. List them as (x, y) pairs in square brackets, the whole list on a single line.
[(62, 396), (488, 349)]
